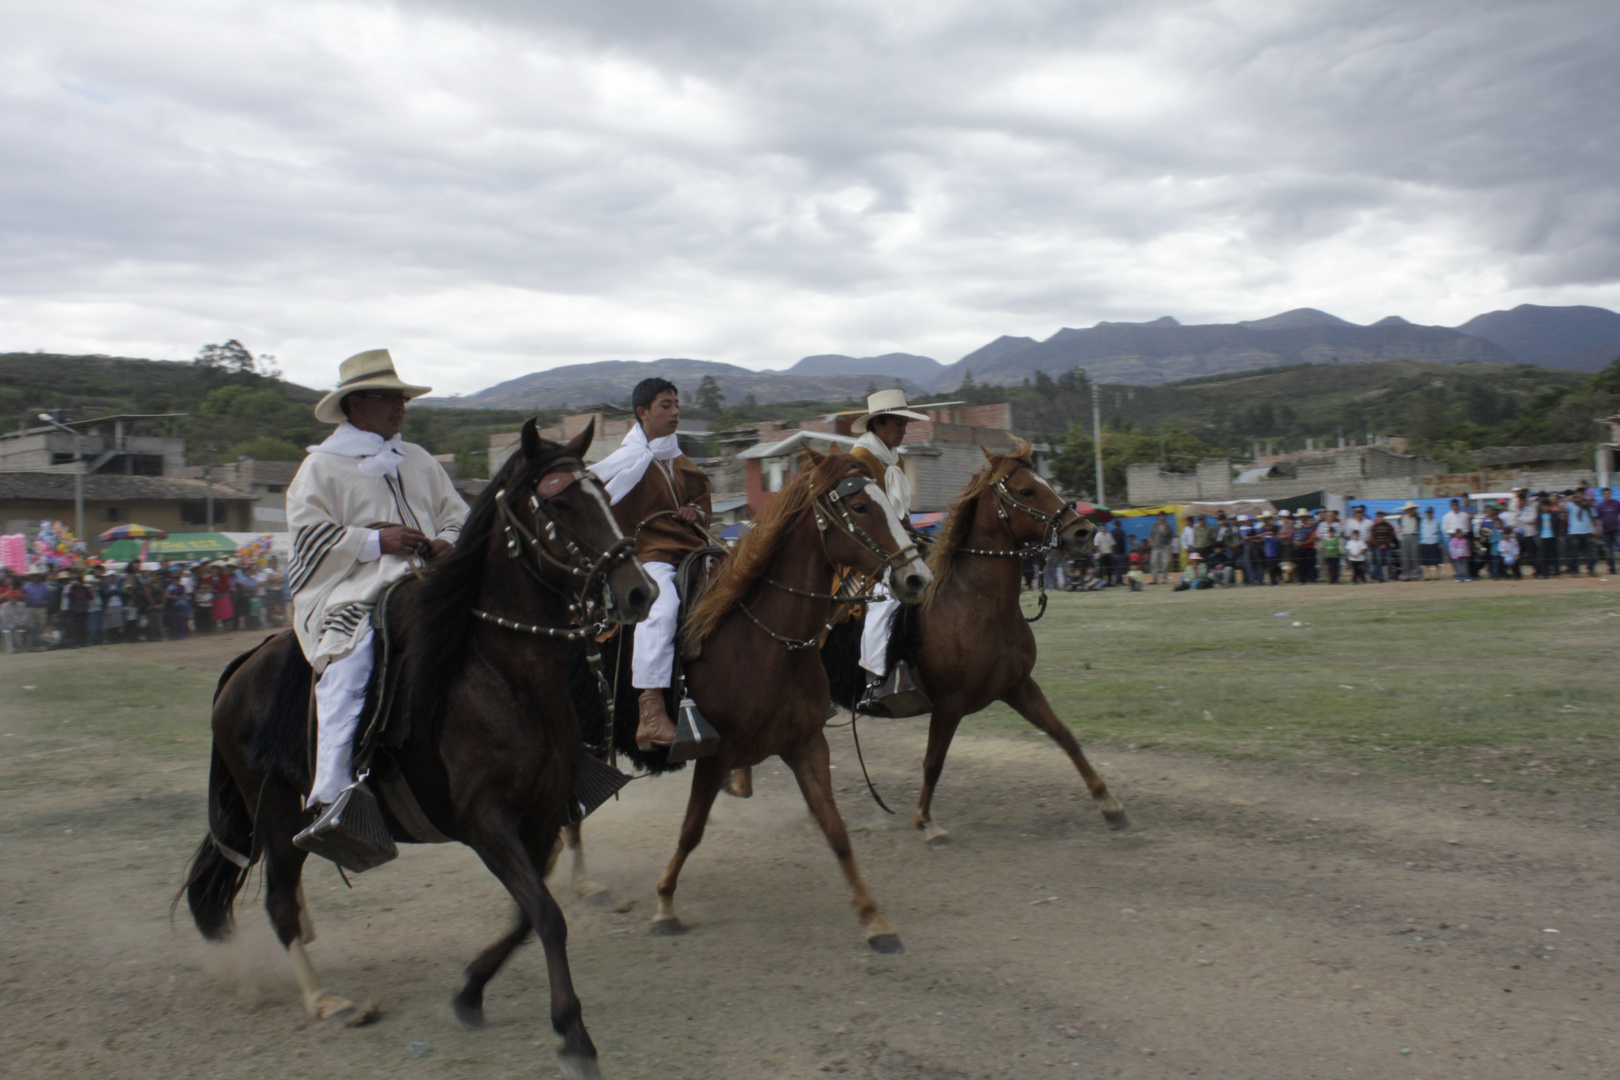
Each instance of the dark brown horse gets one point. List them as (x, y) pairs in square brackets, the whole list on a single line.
[(757, 675), (974, 646), (493, 747)]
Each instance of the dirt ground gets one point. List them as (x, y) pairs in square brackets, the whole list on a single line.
[(1257, 922)]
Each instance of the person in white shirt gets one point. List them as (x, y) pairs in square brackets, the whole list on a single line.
[(1457, 520), (1359, 524), (1103, 549)]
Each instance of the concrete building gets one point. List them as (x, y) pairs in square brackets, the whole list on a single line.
[(265, 481), (127, 445), (173, 504), (1367, 472), (611, 424)]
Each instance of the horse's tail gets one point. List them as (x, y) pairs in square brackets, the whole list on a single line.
[(220, 866)]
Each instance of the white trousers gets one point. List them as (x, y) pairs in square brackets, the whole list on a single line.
[(880, 615), (653, 661), (339, 698)]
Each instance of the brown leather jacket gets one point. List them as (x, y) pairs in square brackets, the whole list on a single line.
[(665, 538)]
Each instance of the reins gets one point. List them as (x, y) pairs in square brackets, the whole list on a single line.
[(1039, 550), (830, 513)]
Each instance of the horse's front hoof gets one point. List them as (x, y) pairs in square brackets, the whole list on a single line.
[(468, 1015), (325, 1006), (579, 1066), (1117, 820), (887, 944), (934, 836), (670, 927)]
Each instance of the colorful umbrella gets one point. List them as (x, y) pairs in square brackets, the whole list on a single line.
[(1100, 514), (132, 532)]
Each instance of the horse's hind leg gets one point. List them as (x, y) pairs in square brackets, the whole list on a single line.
[(519, 869), (809, 762), (469, 1004), (706, 781), (583, 886), (941, 730), (1031, 704), (279, 818)]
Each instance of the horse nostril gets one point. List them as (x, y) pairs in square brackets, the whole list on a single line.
[(915, 582), (637, 598)]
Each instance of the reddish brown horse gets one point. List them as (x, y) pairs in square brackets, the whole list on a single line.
[(493, 748), (757, 675), (974, 646)]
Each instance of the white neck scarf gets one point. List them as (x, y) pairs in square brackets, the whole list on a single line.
[(896, 485), (378, 456), (623, 469)]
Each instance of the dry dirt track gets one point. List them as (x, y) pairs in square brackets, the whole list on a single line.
[(1255, 923)]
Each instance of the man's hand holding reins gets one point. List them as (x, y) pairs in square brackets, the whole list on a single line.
[(404, 540)]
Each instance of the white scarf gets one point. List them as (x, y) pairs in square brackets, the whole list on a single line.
[(378, 456), (896, 485), (623, 469)]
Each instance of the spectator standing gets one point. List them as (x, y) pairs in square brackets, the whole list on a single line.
[(1203, 536), (76, 601), (1460, 548), (1582, 532), (1408, 531), (1608, 515), (1508, 546), (1330, 545), (1122, 550), (37, 598), (1305, 527), (1285, 537), (224, 605), (1355, 553), (1381, 541), (1457, 519), (1102, 551), (1271, 550), (1431, 545), (112, 608), (202, 606), (1489, 532), (1161, 539), (177, 609), (1253, 554)]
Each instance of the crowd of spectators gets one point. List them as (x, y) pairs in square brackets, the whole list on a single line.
[(73, 609), (1540, 535)]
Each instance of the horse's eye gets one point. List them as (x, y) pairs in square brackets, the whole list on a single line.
[(1027, 492), (860, 508)]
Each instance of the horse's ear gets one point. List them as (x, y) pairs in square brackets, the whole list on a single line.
[(988, 456), (815, 458), (582, 442), (531, 440)]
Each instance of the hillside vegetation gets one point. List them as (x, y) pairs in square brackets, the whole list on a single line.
[(232, 410)]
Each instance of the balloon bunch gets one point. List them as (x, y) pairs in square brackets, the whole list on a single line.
[(56, 547), (256, 553)]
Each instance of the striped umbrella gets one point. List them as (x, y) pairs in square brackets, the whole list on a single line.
[(132, 532)]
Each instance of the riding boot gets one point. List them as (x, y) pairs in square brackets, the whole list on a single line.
[(896, 696), (655, 727)]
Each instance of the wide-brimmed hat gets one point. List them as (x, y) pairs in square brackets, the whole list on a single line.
[(1411, 506), (884, 402), (370, 370)]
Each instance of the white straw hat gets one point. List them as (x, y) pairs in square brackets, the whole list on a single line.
[(890, 402), (370, 370)]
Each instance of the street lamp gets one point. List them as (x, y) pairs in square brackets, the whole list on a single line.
[(78, 473)]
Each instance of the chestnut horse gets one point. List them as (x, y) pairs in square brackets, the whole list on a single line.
[(493, 748)]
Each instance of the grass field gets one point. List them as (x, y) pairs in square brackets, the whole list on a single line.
[(1514, 683)]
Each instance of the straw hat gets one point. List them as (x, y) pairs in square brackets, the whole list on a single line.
[(885, 402), (371, 370)]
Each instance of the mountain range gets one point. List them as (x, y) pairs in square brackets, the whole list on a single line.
[(1143, 354)]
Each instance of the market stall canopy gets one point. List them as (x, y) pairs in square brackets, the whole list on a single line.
[(1100, 514), (132, 532), (178, 547)]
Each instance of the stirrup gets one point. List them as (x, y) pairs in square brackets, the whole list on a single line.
[(351, 831), (899, 695), (695, 737)]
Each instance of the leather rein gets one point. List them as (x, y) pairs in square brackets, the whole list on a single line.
[(590, 571), (830, 514), (1041, 549)]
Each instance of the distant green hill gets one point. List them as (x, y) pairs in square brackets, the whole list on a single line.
[(229, 413)]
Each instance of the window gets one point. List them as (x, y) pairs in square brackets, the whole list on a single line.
[(114, 514), (275, 489), (195, 512)]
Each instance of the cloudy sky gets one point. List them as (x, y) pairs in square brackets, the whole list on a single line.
[(490, 187)]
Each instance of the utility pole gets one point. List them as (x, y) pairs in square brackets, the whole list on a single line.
[(208, 480), (1096, 437), (78, 473)]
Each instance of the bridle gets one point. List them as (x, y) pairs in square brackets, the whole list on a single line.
[(589, 612), (831, 514), (1052, 525)]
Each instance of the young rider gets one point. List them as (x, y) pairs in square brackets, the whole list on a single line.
[(661, 499), (343, 560), (881, 432)]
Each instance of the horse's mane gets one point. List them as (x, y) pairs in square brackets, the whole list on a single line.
[(449, 590), (743, 566), (959, 521)]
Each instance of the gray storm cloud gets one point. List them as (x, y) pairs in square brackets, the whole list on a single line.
[(490, 188)]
